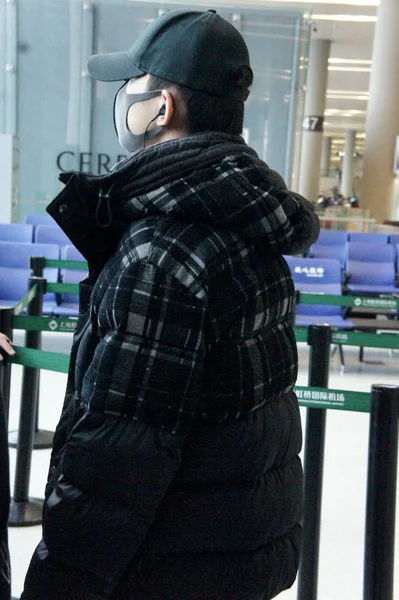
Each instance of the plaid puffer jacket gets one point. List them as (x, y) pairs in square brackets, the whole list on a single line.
[(175, 472)]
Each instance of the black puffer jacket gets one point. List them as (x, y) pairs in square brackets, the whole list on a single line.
[(5, 574), (175, 472)]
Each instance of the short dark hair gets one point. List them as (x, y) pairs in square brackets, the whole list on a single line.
[(205, 112)]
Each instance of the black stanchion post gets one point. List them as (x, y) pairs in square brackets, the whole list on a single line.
[(24, 510), (381, 493), (319, 340), (37, 264), (43, 438), (6, 315)]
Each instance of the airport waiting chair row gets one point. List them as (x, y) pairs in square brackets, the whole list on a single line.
[(336, 244), (366, 268), (323, 276), (28, 232), (15, 272), (330, 237), (318, 276)]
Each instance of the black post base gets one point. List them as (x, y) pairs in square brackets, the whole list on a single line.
[(25, 514), (42, 441)]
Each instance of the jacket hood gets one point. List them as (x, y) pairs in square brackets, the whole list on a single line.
[(214, 179)]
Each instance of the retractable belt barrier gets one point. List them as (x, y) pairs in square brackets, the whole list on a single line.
[(388, 341), (25, 510), (44, 439), (382, 302), (382, 404), (308, 397)]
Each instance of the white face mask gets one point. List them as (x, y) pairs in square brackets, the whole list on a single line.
[(122, 103)]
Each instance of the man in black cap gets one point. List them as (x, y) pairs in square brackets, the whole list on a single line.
[(175, 472)]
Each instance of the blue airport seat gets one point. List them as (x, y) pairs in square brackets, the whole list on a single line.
[(368, 238), (69, 306), (330, 237), (371, 268), (336, 251), (318, 276), (51, 234), (69, 252), (39, 220), (394, 239), (14, 285), (17, 256), (16, 232)]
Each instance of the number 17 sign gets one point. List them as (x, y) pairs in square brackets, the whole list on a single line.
[(313, 123)]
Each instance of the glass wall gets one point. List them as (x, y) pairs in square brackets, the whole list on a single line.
[(62, 120)]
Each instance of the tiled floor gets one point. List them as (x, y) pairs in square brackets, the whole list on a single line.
[(341, 555)]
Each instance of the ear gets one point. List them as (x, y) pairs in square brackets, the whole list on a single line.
[(166, 102)]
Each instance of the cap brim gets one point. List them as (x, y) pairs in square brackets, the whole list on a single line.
[(115, 66)]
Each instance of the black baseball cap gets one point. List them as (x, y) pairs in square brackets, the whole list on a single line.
[(200, 50)]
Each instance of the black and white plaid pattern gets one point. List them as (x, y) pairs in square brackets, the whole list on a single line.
[(193, 310)]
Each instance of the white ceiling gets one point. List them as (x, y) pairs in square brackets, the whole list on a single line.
[(350, 27), (350, 64), (349, 24)]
